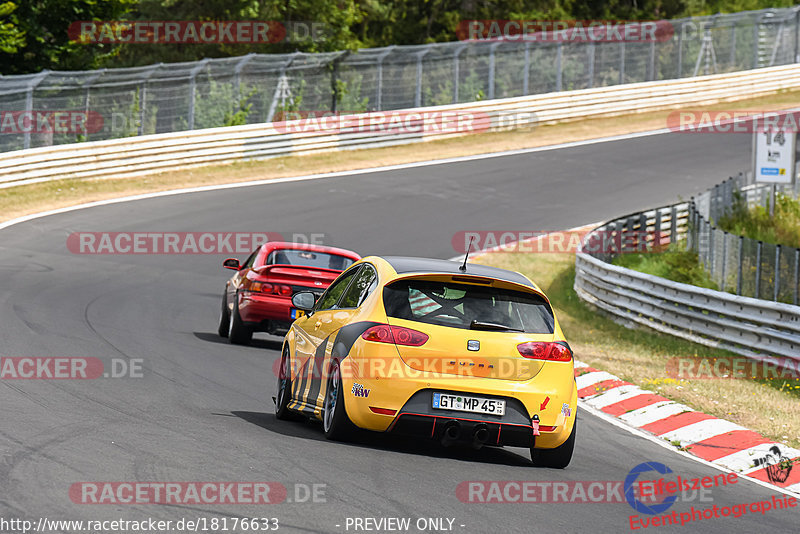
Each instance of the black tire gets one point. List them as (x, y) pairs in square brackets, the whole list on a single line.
[(224, 317), (559, 457), (335, 423), (284, 394), (238, 332)]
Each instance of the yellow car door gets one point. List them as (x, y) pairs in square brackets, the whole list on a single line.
[(312, 342)]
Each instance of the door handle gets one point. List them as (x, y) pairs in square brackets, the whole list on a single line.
[(317, 325)]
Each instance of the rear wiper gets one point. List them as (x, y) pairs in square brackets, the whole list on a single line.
[(480, 325)]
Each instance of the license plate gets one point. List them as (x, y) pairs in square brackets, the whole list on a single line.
[(463, 403), (295, 313)]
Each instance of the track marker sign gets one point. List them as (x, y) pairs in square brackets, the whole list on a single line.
[(774, 155)]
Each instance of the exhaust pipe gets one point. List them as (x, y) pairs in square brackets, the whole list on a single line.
[(480, 435), (452, 431)]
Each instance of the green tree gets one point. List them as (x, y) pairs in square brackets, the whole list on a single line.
[(11, 36), (41, 39)]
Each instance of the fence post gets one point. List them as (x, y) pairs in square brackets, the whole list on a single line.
[(526, 76), (797, 35), (657, 229), (759, 246), (237, 74), (673, 225), (711, 255), (724, 259), (591, 50), (621, 62), (755, 42), (192, 88), (418, 92), (492, 63), (651, 65), (335, 79), (732, 57), (87, 98), (796, 273), (680, 51), (559, 70), (739, 272), (29, 102), (457, 71), (777, 273)]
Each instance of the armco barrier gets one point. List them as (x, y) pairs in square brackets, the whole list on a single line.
[(754, 328), (166, 152)]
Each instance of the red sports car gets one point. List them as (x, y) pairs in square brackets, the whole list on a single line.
[(258, 298)]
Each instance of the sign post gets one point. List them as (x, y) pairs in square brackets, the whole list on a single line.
[(773, 160)]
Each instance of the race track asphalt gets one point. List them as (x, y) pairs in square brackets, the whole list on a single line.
[(203, 411)]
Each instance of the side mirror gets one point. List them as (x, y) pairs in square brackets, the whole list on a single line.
[(232, 263), (304, 300)]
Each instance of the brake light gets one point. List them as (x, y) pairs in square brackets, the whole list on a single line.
[(261, 287), (384, 333), (272, 289), (283, 290), (542, 350)]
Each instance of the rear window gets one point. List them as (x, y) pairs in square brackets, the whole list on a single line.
[(309, 258), (458, 305)]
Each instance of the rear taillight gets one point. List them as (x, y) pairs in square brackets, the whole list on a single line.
[(543, 350), (283, 290), (384, 333), (271, 289)]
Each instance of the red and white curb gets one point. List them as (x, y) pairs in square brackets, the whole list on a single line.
[(709, 438)]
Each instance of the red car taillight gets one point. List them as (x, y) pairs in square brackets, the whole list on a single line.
[(384, 333), (542, 350), (283, 290), (273, 289)]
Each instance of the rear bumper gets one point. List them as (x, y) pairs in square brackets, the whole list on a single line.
[(418, 418), (403, 404), (255, 308)]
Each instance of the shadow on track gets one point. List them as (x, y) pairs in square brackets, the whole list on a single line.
[(312, 430), (269, 344)]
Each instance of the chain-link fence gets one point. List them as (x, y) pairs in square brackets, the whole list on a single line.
[(739, 264), (254, 88)]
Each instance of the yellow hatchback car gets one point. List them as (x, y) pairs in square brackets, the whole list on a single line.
[(458, 353)]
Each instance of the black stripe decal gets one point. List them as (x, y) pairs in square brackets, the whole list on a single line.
[(347, 336), (316, 372)]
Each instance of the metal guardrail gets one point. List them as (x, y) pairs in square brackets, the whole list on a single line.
[(736, 263), (753, 328), (141, 155)]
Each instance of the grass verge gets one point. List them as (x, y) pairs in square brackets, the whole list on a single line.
[(674, 263), (640, 356), (781, 229), (34, 198)]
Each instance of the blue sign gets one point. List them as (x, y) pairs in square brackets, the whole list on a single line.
[(630, 484), (770, 171)]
